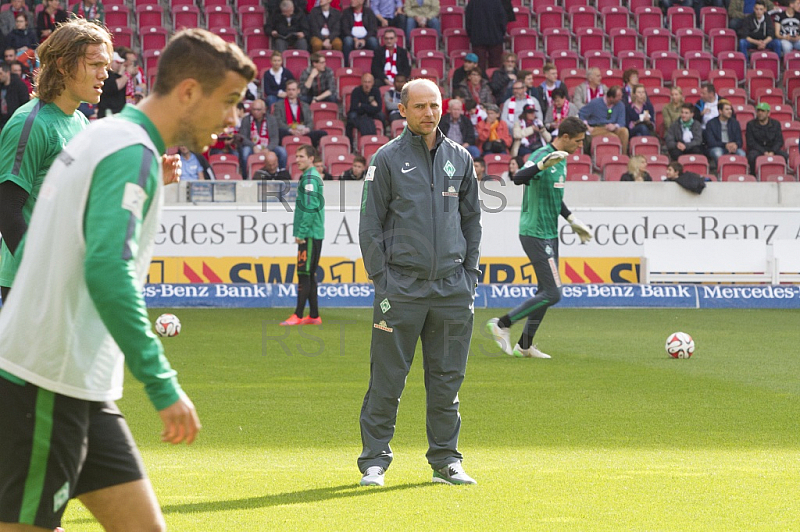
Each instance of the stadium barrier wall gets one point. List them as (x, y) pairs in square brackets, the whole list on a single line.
[(488, 296)]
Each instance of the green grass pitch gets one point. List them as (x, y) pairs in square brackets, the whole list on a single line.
[(611, 434)]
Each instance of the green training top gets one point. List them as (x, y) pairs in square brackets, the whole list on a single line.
[(29, 143), (541, 200), (309, 209)]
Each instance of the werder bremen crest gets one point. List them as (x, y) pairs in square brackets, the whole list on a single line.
[(449, 169), (385, 306)]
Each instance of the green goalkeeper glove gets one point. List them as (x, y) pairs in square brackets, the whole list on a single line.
[(580, 228), (552, 159)]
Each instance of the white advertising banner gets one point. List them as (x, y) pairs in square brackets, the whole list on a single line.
[(618, 232)]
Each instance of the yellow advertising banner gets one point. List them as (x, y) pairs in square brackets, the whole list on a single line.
[(496, 270)]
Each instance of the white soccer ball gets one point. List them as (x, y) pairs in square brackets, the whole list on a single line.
[(168, 325), (680, 345)]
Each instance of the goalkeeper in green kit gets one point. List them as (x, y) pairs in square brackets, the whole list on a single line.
[(543, 176)]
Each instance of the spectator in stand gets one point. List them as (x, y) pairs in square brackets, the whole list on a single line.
[(493, 135), (422, 14), (294, 116), (389, 13), (672, 110), (513, 106), (259, 134), (474, 110), (550, 83), (90, 10), (325, 27), (136, 80), (194, 167), (389, 61), (758, 31), (514, 164), (707, 107), (637, 170), (49, 17), (461, 73), (319, 164), (629, 78), (764, 136), (8, 18), (356, 172), (504, 77), (272, 170), (458, 128), (605, 115), (739, 9), (480, 168), (273, 84), (685, 135), (590, 89), (528, 132), (18, 70), (723, 134), (477, 87), (787, 27), (365, 107), (485, 22), (22, 38), (317, 82), (392, 98), (527, 79), (289, 29), (9, 54), (640, 114), (558, 111), (13, 93), (113, 98), (359, 28)]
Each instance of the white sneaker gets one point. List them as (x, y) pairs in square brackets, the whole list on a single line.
[(531, 352), (373, 476), (501, 336), (452, 474)]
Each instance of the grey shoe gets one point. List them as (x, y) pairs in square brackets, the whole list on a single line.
[(452, 474), (373, 476)]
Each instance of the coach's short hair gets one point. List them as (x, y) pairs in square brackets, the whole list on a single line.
[(572, 126), (407, 86), (309, 150), (200, 55), (62, 53)]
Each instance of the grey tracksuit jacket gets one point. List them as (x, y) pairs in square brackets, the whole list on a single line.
[(419, 216)]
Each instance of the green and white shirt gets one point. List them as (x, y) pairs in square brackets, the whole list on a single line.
[(541, 200), (309, 209), (29, 143), (77, 309)]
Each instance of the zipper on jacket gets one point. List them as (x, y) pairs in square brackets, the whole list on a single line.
[(433, 208)]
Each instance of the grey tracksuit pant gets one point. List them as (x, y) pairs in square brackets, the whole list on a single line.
[(440, 313)]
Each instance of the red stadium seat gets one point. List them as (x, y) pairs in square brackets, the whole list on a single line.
[(530, 59), (361, 60), (324, 111), (333, 127), (456, 39), (614, 166), (651, 78), (612, 76), (334, 58), (116, 15), (766, 60), (149, 15), (603, 146), (657, 166), (340, 164), (779, 178), (680, 17), (615, 17), (295, 61), (523, 18), (644, 146), (690, 40), (701, 61), (712, 18), (657, 40), (581, 17), (348, 77), (432, 59), (602, 59), (694, 163), (756, 79), (723, 79), (251, 17), (572, 77), (735, 95), (255, 39), (722, 40), (590, 39), (219, 16), (523, 39), (769, 165), (735, 61), (333, 145), (563, 59), (686, 78), (255, 162), (423, 39), (556, 39), (632, 59), (623, 39), (728, 165), (770, 95), (648, 17), (153, 38), (451, 17), (123, 36), (781, 113), (666, 62), (550, 17), (740, 178), (496, 163), (185, 17), (230, 35), (579, 163)]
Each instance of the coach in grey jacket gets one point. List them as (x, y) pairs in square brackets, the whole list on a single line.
[(420, 235)]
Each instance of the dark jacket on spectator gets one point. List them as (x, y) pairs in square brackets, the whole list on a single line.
[(713, 133), (464, 124), (675, 135), (764, 138), (379, 60), (272, 130), (316, 22), (760, 32), (113, 98), (297, 24), (485, 22), (268, 85), (16, 96), (369, 19)]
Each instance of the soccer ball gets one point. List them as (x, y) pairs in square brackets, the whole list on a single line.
[(168, 325), (680, 345)]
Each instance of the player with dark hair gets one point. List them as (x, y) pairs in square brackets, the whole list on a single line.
[(544, 176), (74, 60), (87, 255), (309, 230)]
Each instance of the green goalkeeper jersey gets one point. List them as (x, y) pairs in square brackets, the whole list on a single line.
[(541, 200), (29, 143)]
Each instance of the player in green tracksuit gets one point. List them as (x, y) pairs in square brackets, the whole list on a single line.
[(544, 177), (37, 132), (309, 230), (78, 317), (420, 234)]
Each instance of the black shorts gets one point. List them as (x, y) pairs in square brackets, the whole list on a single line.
[(54, 448), (308, 256)]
